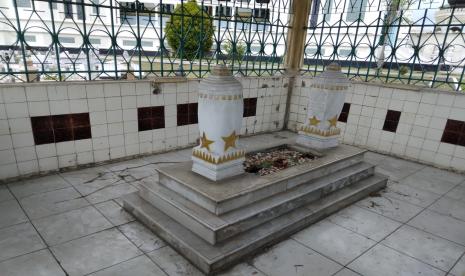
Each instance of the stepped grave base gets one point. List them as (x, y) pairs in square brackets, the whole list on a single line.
[(217, 224)]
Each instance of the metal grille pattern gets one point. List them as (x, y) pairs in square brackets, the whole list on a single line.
[(99, 39), (418, 42)]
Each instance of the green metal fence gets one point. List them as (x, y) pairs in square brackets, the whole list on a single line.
[(98, 39), (397, 41), (417, 42)]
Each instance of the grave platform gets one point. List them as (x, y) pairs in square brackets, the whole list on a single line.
[(217, 224)]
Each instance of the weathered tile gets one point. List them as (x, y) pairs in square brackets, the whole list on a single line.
[(364, 222), (37, 185), (126, 165), (373, 157), (457, 193), (71, 225), (166, 159), (94, 252), (242, 269), (115, 190), (334, 241), (39, 263), (441, 225), (291, 257), (346, 272), (450, 207), (384, 261), (91, 177), (139, 266), (54, 202), (114, 212), (459, 268), (433, 180), (98, 184), (145, 173), (132, 170), (5, 193), (173, 263), (18, 240), (142, 237), (11, 213), (425, 247), (409, 194), (390, 207), (397, 168)]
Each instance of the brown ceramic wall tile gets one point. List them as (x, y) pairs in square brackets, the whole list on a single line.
[(60, 128), (250, 107), (391, 121), (187, 114), (344, 113), (454, 133), (152, 117)]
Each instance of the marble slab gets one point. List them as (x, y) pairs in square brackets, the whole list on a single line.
[(232, 193)]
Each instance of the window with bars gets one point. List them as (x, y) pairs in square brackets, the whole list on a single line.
[(355, 10), (166, 8), (68, 9), (223, 11), (23, 3), (261, 14), (80, 9), (327, 10)]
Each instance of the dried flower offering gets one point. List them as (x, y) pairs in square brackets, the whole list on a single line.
[(271, 161)]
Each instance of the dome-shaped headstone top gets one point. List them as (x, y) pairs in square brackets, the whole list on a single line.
[(221, 70), (331, 79), (220, 74)]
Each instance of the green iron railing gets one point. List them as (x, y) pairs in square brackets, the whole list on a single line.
[(418, 42), (98, 39)]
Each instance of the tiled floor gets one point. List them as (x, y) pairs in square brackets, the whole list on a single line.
[(72, 223)]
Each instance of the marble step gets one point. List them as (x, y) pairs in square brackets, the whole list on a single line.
[(216, 228), (236, 192), (213, 258)]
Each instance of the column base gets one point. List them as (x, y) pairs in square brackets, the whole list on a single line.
[(317, 142), (218, 167)]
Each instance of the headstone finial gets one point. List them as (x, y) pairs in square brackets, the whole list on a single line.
[(221, 70), (333, 66)]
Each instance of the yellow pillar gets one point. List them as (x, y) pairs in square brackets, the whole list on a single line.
[(293, 60), (298, 22)]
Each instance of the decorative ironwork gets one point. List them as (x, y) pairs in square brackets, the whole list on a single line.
[(418, 42), (114, 39)]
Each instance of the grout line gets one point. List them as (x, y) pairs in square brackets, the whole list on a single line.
[(406, 223), (456, 262), (38, 233), (122, 233), (111, 265), (35, 251), (145, 253)]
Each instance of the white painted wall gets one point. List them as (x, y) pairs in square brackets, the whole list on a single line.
[(418, 137), (113, 116)]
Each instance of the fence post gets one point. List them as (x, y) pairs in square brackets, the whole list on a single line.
[(298, 21)]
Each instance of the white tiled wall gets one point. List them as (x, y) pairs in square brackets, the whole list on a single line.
[(112, 108), (422, 121)]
